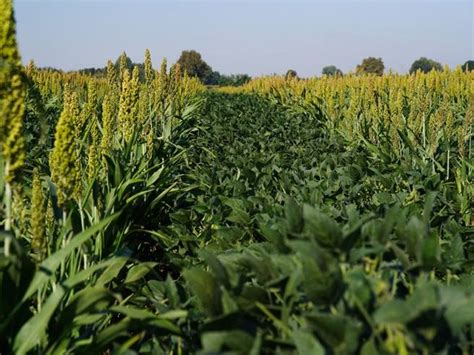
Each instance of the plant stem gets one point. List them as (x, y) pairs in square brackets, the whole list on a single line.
[(8, 217)]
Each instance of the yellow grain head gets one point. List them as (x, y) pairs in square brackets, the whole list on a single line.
[(31, 70), (143, 107), (12, 95), (92, 162), (108, 124), (123, 66), (465, 129), (163, 81), (128, 108), (64, 158), (90, 114), (149, 72), (112, 77)]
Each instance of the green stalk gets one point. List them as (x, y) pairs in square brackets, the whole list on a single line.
[(447, 165), (81, 213), (424, 131), (470, 150), (100, 236), (8, 217), (63, 242)]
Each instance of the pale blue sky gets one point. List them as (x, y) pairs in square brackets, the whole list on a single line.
[(255, 37)]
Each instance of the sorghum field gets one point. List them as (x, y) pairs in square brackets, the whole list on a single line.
[(146, 214)]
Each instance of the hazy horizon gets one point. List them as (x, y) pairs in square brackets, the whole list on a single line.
[(258, 38)]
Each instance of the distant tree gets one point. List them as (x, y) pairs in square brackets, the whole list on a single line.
[(240, 79), (290, 74), (217, 78), (93, 71), (469, 65), (214, 78), (371, 65), (331, 70), (234, 79), (192, 63), (51, 69), (425, 65)]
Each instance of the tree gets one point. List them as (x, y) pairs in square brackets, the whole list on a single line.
[(193, 64), (239, 79), (469, 65), (291, 74), (425, 65), (234, 79), (371, 65), (331, 70), (214, 78)]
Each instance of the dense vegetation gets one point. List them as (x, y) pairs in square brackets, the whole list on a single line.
[(425, 65), (371, 65), (141, 213)]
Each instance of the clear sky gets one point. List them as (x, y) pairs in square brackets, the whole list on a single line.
[(255, 37)]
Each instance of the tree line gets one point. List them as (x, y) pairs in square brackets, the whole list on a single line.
[(372, 65), (192, 62)]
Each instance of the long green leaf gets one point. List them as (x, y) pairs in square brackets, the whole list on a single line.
[(48, 267), (33, 331)]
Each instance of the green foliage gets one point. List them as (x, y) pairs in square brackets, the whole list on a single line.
[(349, 262), (38, 217), (291, 74), (425, 65), (224, 241), (244, 223), (192, 63), (331, 70), (228, 80), (371, 65), (469, 65)]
